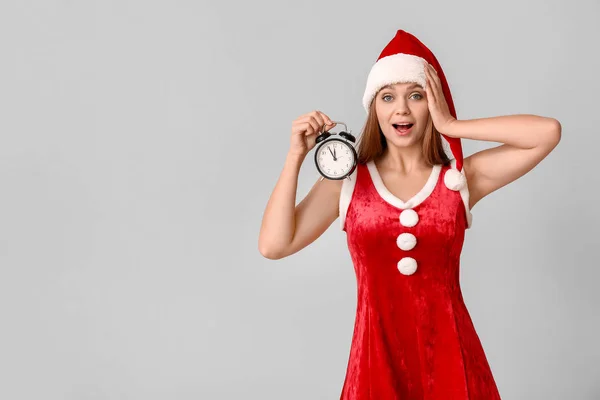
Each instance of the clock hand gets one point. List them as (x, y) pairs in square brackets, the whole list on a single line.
[(333, 154), (329, 148)]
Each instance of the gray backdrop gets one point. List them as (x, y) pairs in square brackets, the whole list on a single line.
[(141, 141)]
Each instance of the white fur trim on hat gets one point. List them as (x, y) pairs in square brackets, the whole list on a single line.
[(397, 68)]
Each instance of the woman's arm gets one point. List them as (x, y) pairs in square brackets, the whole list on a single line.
[(287, 228), (527, 140)]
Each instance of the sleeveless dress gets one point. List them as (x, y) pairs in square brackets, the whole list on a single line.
[(413, 337)]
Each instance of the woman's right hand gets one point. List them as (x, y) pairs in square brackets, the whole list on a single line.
[(305, 130)]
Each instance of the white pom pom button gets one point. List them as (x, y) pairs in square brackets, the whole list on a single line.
[(454, 179), (407, 266), (406, 241), (409, 218)]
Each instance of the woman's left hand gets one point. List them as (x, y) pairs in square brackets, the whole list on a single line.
[(436, 102)]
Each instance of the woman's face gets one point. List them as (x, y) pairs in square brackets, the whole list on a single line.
[(402, 103)]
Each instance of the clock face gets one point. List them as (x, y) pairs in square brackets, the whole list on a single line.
[(335, 158)]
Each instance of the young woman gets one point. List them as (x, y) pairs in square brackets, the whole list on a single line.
[(405, 211)]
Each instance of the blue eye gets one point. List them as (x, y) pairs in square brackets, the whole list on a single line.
[(388, 95)]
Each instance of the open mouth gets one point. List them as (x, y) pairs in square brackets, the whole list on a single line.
[(403, 129)]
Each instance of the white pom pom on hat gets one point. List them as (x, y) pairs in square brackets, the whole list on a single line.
[(454, 180)]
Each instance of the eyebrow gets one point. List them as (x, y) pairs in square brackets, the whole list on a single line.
[(411, 86)]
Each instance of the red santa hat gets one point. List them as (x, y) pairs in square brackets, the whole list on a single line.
[(401, 61)]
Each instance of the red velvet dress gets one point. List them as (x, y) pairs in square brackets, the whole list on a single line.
[(413, 336)]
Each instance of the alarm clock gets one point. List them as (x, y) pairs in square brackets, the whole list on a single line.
[(335, 157)]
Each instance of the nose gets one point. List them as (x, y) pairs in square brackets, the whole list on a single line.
[(402, 108)]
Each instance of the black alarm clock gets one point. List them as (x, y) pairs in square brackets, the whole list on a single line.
[(335, 157)]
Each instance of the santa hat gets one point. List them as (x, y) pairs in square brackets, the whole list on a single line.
[(403, 60)]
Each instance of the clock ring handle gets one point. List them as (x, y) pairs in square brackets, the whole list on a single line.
[(339, 122), (345, 133)]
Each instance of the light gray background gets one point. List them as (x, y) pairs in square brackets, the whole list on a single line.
[(141, 141)]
